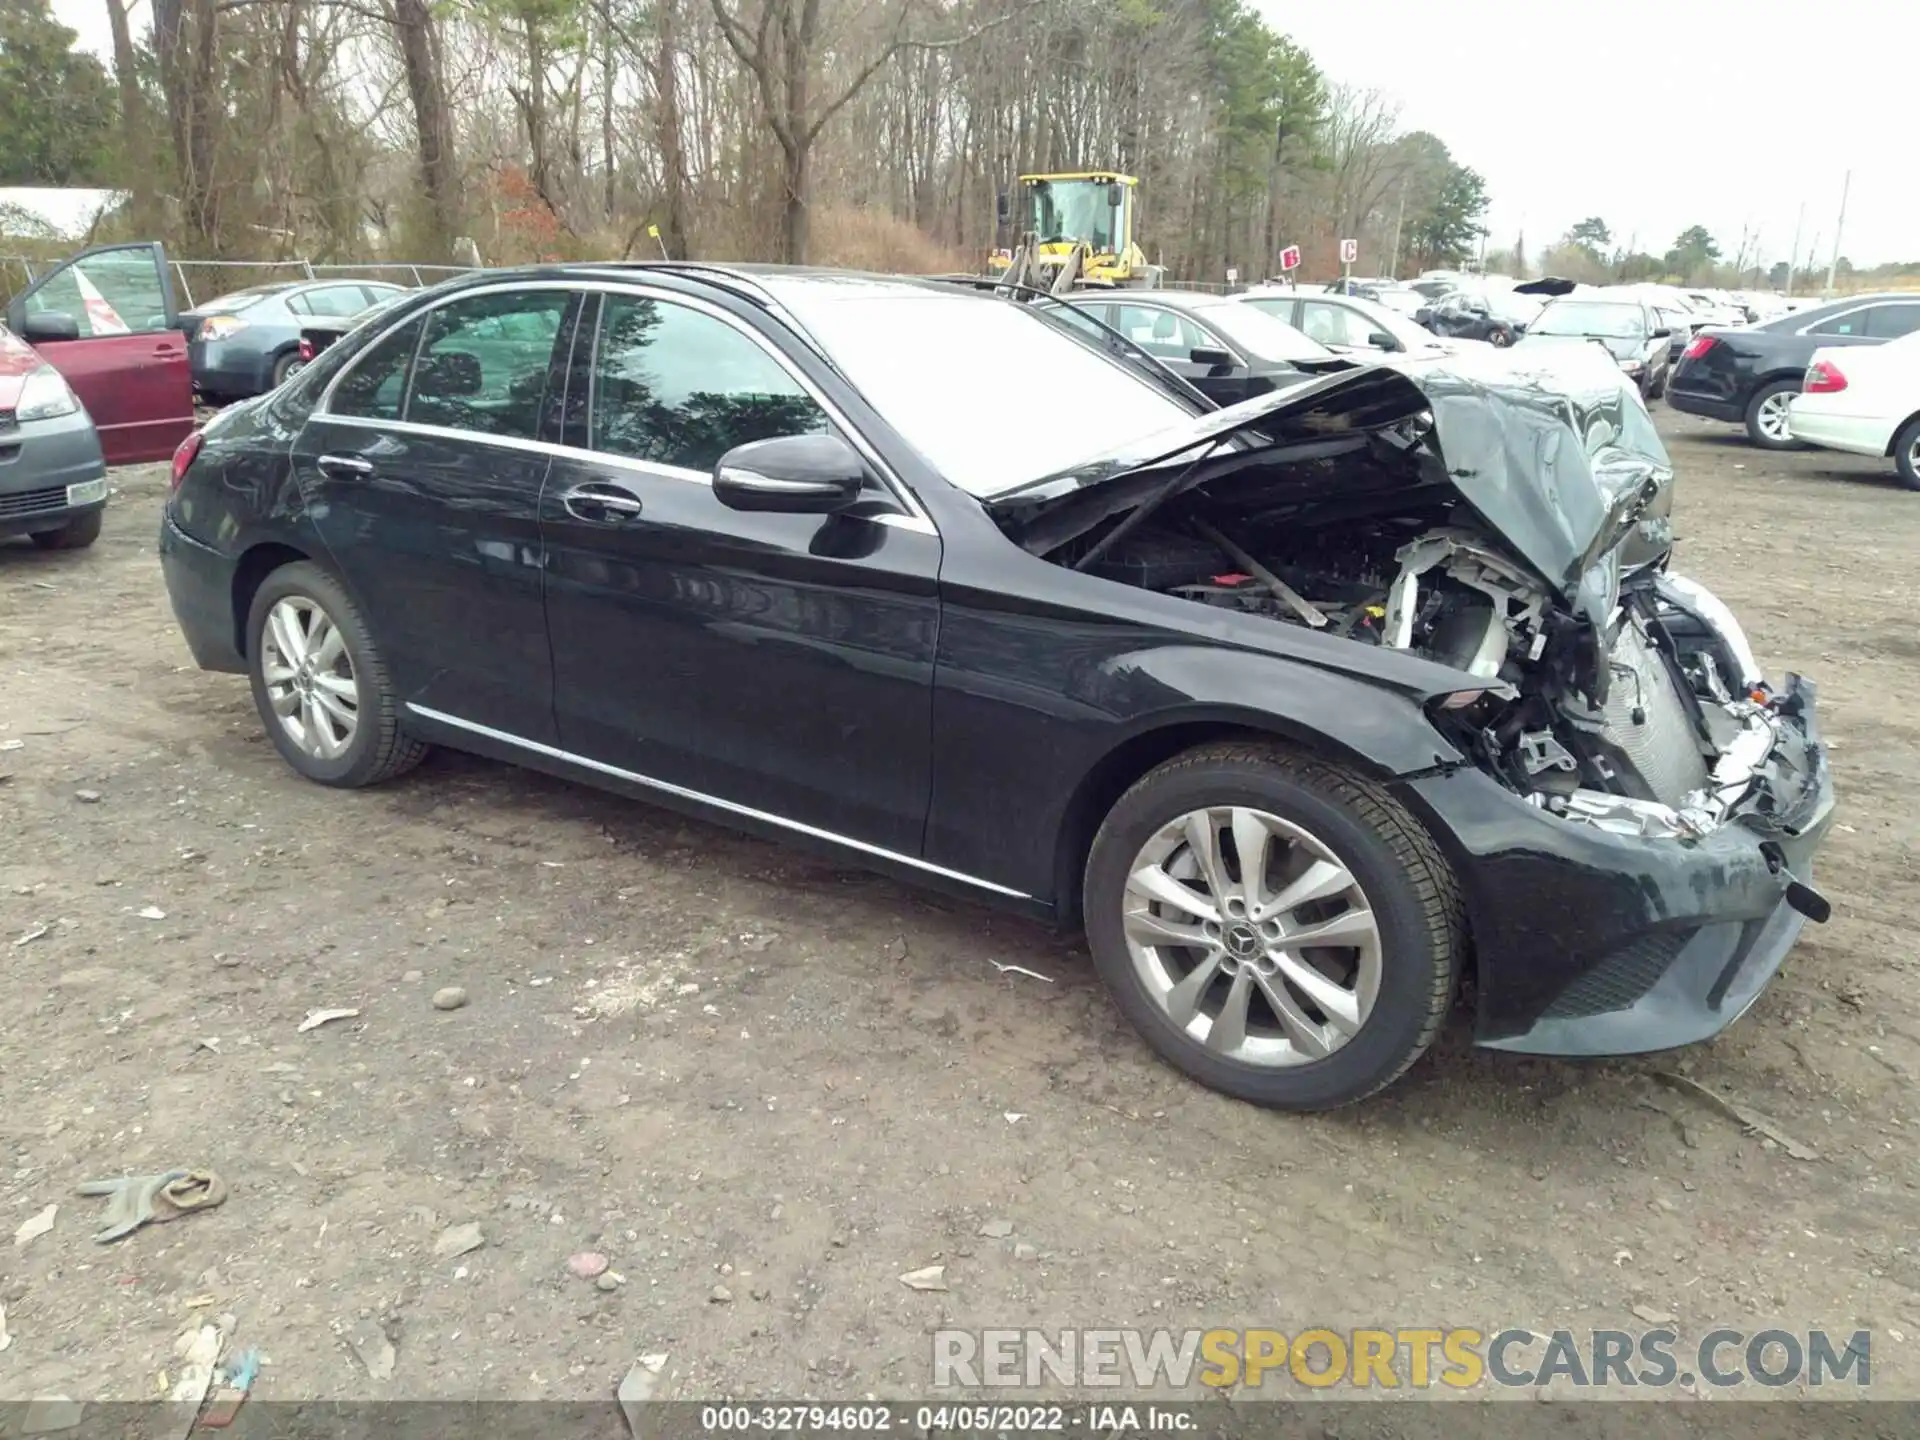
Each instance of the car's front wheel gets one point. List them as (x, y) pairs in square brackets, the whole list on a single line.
[(1769, 421), (321, 684), (1500, 337), (1274, 925), (76, 534)]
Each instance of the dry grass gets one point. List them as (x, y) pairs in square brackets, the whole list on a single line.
[(859, 239)]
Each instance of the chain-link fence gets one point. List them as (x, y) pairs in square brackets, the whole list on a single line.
[(197, 281)]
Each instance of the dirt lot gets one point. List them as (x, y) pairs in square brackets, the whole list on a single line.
[(764, 1086)]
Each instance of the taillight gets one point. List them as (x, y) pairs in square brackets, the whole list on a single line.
[(219, 327), (183, 457), (1697, 347), (1823, 378), (306, 348)]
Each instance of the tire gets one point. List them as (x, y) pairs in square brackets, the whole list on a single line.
[(1500, 338), (1906, 454), (1658, 390), (286, 367), (1767, 396), (1331, 817), (372, 748), (77, 534)]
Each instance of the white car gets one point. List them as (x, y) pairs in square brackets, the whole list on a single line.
[(1351, 325), (1865, 399)]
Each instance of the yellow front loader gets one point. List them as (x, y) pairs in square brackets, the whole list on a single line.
[(1076, 232)]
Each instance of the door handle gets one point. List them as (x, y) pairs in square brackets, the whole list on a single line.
[(601, 502), (344, 465)]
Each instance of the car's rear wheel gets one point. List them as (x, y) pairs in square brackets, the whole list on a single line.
[(1275, 926), (1906, 454), (76, 534), (1769, 422), (321, 684), (286, 367)]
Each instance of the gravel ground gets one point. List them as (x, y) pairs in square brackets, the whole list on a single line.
[(764, 1086)]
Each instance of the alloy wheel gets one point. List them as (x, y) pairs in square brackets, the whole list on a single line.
[(309, 677), (1774, 418), (1253, 936)]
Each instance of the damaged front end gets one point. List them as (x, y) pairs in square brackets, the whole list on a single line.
[(1510, 524)]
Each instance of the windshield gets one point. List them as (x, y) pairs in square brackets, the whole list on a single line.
[(1585, 317), (1259, 334), (1073, 210), (945, 371)]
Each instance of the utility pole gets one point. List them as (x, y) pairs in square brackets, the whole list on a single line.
[(1793, 255), (1839, 225)]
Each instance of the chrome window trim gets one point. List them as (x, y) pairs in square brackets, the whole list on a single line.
[(916, 517), (732, 808)]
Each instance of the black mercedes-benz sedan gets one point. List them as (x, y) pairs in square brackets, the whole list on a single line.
[(1306, 709)]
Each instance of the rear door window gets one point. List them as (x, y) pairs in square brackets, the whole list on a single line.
[(485, 363), (1890, 322), (1161, 332), (1334, 324), (677, 386), (376, 387), (336, 300), (1854, 322)]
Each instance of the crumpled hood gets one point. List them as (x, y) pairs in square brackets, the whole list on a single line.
[(1552, 448)]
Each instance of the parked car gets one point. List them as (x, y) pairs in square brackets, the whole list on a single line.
[(1630, 331), (1350, 325), (53, 477), (317, 332), (1866, 400), (1716, 307), (1401, 299), (1226, 350), (106, 321), (1296, 706), (1680, 325), (1499, 317), (248, 342), (1749, 376)]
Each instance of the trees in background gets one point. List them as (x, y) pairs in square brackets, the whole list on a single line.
[(856, 131), (56, 105)]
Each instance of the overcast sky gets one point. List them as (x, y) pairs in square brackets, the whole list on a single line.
[(1652, 114)]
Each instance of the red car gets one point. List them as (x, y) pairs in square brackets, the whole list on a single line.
[(106, 320)]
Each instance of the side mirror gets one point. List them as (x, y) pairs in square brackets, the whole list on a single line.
[(1663, 334), (1214, 359), (41, 325), (1380, 340), (1115, 195), (796, 474)]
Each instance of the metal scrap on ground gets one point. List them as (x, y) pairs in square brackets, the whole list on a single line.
[(1741, 1115)]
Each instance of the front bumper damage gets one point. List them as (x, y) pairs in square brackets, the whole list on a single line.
[(1590, 941)]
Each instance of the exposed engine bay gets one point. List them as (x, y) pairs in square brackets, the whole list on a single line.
[(1662, 726)]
